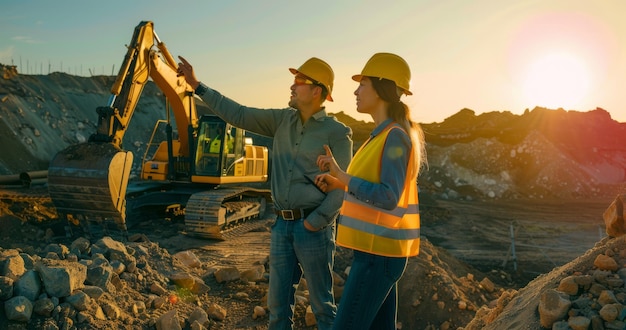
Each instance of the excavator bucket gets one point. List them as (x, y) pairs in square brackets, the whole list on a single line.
[(87, 183)]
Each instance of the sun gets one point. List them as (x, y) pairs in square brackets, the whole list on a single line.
[(556, 80)]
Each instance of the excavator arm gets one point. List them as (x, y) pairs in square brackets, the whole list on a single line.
[(143, 61)]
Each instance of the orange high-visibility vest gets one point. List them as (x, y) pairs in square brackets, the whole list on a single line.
[(365, 227)]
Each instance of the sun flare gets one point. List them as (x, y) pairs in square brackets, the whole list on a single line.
[(556, 80)]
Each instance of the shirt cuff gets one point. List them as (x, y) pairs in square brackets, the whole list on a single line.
[(201, 89)]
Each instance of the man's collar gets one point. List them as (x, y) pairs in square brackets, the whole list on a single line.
[(320, 114)]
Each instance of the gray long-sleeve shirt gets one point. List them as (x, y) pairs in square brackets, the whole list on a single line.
[(295, 149)]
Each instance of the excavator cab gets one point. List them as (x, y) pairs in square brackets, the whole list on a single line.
[(218, 147)]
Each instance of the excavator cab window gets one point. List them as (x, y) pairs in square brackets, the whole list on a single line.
[(217, 148)]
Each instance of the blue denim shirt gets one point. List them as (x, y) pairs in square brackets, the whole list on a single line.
[(295, 149), (393, 170)]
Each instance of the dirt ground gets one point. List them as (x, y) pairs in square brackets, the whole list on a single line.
[(546, 233), (461, 240)]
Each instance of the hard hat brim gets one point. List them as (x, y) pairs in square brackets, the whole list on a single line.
[(358, 77)]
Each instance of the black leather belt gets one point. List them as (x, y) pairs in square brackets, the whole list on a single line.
[(294, 214)]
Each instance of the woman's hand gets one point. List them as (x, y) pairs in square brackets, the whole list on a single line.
[(327, 162), (327, 182)]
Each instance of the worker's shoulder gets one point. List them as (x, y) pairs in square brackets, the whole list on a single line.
[(330, 118), (336, 124)]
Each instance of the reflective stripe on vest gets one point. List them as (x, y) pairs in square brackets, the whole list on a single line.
[(364, 227)]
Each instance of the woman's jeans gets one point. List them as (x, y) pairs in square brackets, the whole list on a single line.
[(294, 250), (369, 299)]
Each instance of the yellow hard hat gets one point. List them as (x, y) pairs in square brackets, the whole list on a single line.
[(388, 66), (319, 71)]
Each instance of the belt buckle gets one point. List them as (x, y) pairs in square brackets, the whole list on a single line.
[(290, 215)]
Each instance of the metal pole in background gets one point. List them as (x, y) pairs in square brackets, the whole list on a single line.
[(513, 248)]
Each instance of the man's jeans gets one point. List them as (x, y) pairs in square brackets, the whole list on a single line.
[(294, 250), (369, 299)]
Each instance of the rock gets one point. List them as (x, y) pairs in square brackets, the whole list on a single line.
[(487, 284), (242, 296), (553, 306), (338, 280), (169, 321), (227, 274), (101, 275), (29, 285), (6, 287), (609, 312), (29, 261), (138, 308), (584, 281), (159, 302), (84, 317), (11, 264), (60, 278), (604, 262), (99, 314), (195, 325), (59, 249), (614, 217), (43, 307), (112, 250), (188, 258), (578, 323), (200, 316), (111, 310), (81, 245), (607, 297), (118, 267), (79, 300), (254, 274), (156, 288), (183, 279), (309, 317), (216, 312), (568, 285), (258, 312), (93, 291), (18, 308)]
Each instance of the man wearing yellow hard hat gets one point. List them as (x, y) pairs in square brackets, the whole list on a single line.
[(302, 238)]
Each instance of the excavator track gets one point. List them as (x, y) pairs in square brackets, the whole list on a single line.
[(225, 212)]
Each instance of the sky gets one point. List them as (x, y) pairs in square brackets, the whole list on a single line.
[(485, 55)]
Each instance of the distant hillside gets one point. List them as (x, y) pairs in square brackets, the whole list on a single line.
[(541, 153)]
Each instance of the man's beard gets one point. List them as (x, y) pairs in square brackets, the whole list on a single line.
[(293, 103)]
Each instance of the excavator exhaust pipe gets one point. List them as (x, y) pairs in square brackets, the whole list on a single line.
[(87, 183)]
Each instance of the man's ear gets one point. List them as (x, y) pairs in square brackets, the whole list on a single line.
[(317, 91)]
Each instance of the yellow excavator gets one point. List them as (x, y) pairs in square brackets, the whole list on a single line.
[(212, 173)]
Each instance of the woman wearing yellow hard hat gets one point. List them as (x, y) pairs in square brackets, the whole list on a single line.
[(380, 216)]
